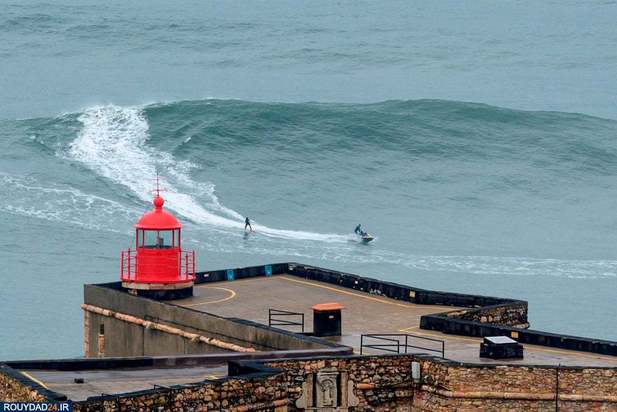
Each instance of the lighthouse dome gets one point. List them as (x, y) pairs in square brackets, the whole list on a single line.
[(158, 218)]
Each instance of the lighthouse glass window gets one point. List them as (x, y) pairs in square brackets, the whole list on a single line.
[(158, 239)]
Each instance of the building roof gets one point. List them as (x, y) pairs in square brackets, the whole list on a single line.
[(158, 218)]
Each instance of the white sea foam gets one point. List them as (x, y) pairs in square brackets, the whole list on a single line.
[(28, 197), (112, 142), (490, 265)]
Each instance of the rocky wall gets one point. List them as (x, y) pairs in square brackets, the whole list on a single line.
[(459, 377), (369, 383), (454, 386), (364, 383), (426, 402), (12, 390), (510, 314), (263, 393)]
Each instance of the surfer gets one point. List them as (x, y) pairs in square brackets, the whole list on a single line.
[(247, 223)]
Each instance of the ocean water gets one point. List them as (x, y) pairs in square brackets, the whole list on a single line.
[(476, 140)]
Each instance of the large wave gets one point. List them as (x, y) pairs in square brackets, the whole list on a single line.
[(462, 159), (113, 144)]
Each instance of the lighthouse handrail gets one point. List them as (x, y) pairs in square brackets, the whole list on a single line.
[(184, 263), (187, 265), (127, 264)]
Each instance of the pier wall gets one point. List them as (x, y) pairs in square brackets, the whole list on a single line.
[(257, 392), (486, 316), (241, 273), (385, 383), (13, 390), (118, 324), (453, 325), (17, 387), (368, 383), (448, 385), (513, 314), (484, 309), (365, 383)]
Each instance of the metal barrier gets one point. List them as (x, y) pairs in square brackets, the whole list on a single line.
[(395, 342), (274, 318), (183, 262)]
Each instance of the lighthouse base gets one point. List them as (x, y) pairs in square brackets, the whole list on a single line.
[(160, 291)]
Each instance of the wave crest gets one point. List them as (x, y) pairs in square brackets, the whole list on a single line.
[(112, 142)]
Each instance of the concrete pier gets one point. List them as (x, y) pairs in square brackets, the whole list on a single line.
[(216, 350), (364, 313)]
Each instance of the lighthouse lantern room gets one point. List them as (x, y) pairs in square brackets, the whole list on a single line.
[(157, 266)]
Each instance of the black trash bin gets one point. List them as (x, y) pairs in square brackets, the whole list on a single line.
[(327, 319)]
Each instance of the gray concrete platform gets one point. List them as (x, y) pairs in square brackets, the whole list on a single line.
[(116, 381), (251, 298), (364, 313)]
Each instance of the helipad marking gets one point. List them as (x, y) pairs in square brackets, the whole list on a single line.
[(446, 337), (345, 292), (32, 378), (449, 337), (232, 294)]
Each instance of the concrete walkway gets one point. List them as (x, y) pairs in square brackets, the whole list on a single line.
[(117, 381), (364, 313)]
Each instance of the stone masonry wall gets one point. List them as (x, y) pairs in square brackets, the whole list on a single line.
[(427, 402), (380, 383), (370, 383), (264, 393), (514, 378), (452, 386), (511, 314), (11, 390)]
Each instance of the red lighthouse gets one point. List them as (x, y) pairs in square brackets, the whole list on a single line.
[(158, 267)]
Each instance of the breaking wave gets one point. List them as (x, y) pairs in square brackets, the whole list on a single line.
[(417, 162), (113, 144)]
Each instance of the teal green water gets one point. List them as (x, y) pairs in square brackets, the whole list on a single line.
[(239, 108)]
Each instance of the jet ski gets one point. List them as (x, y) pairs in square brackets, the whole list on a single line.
[(366, 237)]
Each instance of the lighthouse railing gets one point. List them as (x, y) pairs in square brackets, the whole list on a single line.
[(187, 265), (183, 263), (127, 265)]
